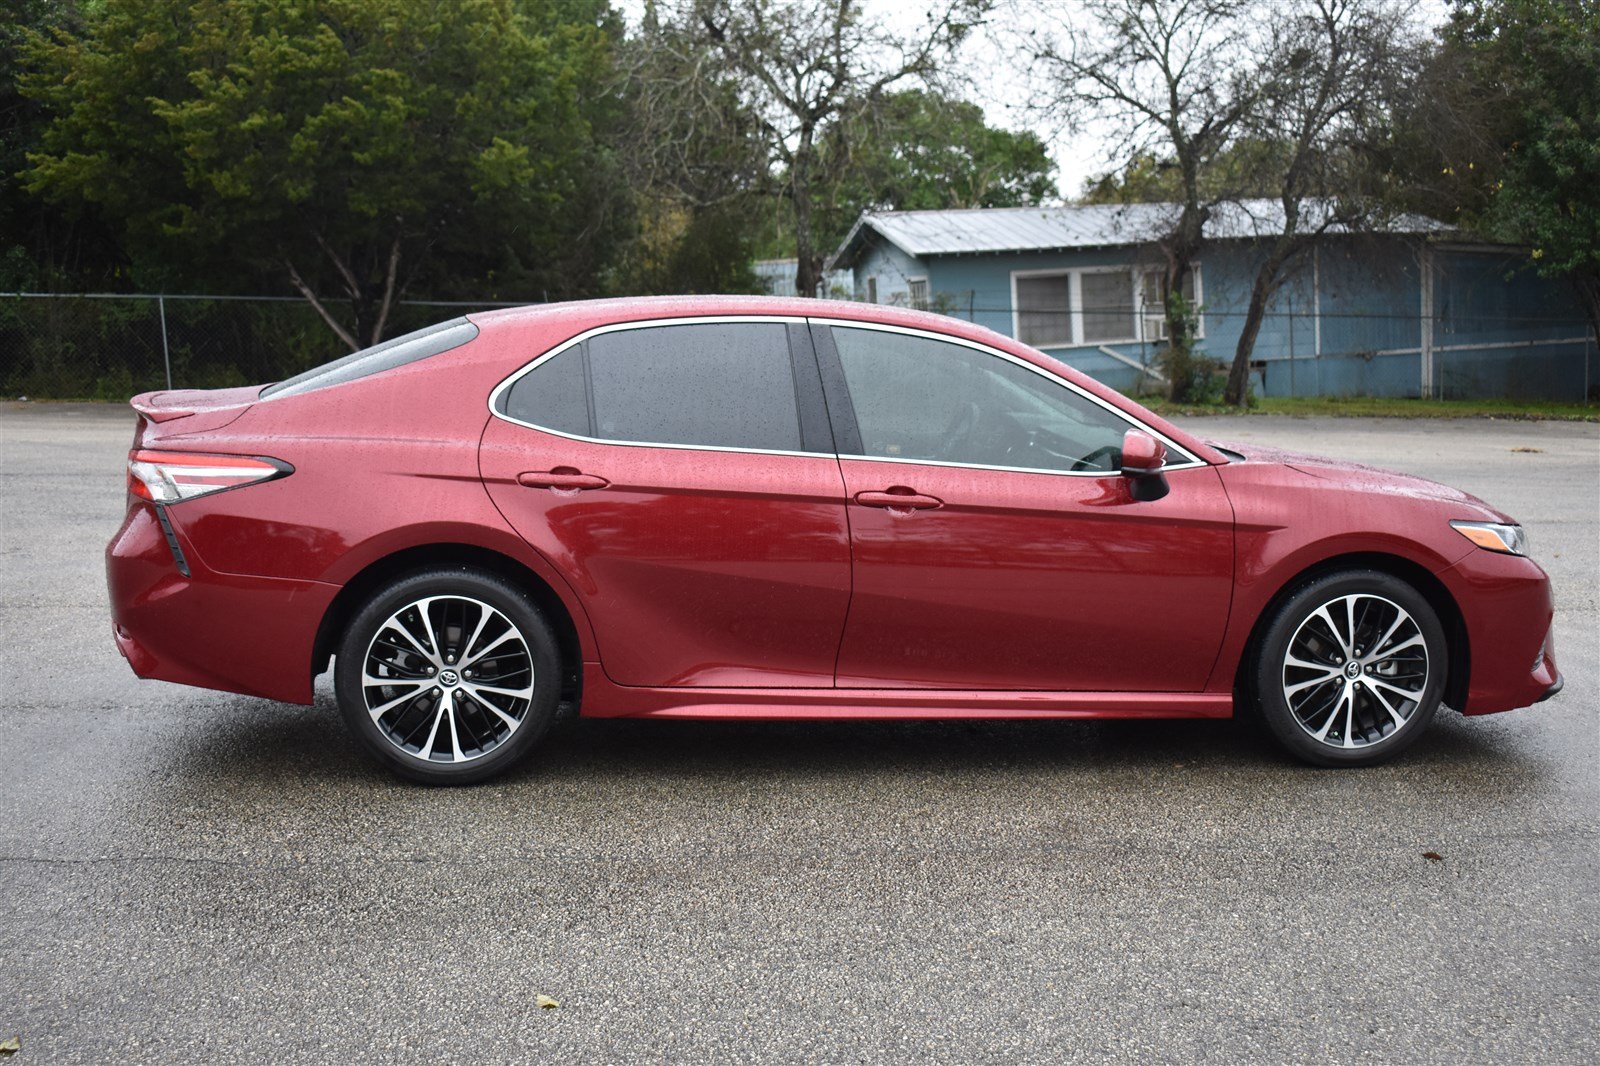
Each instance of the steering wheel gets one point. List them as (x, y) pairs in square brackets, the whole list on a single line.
[(1109, 451), (960, 428)]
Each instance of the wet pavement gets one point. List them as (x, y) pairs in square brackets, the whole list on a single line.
[(190, 876)]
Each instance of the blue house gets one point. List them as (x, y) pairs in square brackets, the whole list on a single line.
[(1408, 310)]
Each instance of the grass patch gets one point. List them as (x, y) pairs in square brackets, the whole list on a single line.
[(1381, 407)]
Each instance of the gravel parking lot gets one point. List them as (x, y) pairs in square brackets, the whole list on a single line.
[(190, 876)]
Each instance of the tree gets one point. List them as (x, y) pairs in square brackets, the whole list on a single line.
[(1166, 79), (923, 150), (352, 146), (1322, 74), (806, 75), (1499, 133), (42, 246)]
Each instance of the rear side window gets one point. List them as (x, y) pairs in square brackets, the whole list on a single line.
[(698, 384), (380, 357)]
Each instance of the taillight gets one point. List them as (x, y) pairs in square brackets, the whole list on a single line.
[(171, 477)]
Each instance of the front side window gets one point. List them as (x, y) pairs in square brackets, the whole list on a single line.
[(696, 384), (921, 399)]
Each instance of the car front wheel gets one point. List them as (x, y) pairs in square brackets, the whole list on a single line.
[(1351, 668), (449, 675)]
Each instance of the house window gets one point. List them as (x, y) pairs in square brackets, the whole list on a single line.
[(1044, 310), (1107, 300), (1068, 308), (1154, 314), (917, 292), (872, 290)]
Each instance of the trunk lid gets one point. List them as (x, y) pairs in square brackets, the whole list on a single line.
[(183, 412)]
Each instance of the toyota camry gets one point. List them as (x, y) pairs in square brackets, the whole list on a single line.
[(749, 508)]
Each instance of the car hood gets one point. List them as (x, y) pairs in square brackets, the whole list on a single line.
[(1363, 478)]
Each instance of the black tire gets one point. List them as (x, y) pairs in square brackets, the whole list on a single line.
[(456, 598), (1382, 700)]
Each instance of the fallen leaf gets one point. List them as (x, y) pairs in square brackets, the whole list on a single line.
[(546, 1002), (10, 1046), (1539, 451), (1433, 856)]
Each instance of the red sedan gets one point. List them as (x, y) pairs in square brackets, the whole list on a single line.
[(768, 508)]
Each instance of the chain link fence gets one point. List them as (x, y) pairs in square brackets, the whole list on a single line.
[(110, 347)]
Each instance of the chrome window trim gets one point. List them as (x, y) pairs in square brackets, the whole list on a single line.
[(505, 385), (647, 323)]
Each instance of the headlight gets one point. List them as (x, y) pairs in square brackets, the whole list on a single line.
[(1509, 540)]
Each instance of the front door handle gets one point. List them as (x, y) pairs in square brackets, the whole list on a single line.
[(562, 479), (899, 498)]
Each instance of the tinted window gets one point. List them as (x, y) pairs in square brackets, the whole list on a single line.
[(386, 356), (718, 384), (922, 399), (553, 395)]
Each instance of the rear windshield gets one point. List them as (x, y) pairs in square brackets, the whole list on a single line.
[(380, 357)]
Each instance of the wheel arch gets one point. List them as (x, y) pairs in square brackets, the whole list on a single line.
[(386, 568), (1412, 573)]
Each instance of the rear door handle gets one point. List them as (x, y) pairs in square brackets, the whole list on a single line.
[(899, 498), (562, 479)]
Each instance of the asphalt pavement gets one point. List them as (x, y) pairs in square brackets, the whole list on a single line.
[(190, 876)]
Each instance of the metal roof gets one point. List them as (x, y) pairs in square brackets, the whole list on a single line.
[(969, 231)]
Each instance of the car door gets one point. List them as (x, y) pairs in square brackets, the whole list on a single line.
[(682, 477), (995, 544)]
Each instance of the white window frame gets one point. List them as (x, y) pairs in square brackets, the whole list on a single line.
[(1199, 304), (1074, 276), (912, 280)]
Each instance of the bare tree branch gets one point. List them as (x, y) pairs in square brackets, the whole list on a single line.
[(311, 297)]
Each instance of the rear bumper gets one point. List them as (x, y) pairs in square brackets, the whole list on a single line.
[(252, 635), (1508, 608)]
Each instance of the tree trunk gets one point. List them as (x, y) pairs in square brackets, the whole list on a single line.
[(1237, 393), (808, 264), (1268, 278)]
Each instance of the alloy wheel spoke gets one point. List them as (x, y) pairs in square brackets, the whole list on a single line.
[(1399, 719), (455, 738), (427, 747), (1333, 630), (383, 709), (1333, 713), (484, 615), (510, 722), (1396, 689), (1398, 648), (511, 635), (1291, 690), (404, 630), (519, 693)]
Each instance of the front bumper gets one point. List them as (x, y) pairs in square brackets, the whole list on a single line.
[(223, 631), (1509, 611)]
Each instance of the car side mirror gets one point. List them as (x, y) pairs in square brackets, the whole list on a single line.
[(1142, 459)]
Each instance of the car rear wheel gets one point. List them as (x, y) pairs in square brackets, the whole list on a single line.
[(449, 675), (1351, 668)]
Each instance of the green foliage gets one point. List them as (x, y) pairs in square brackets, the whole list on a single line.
[(364, 146), (1499, 133), (920, 150), (1539, 61)]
